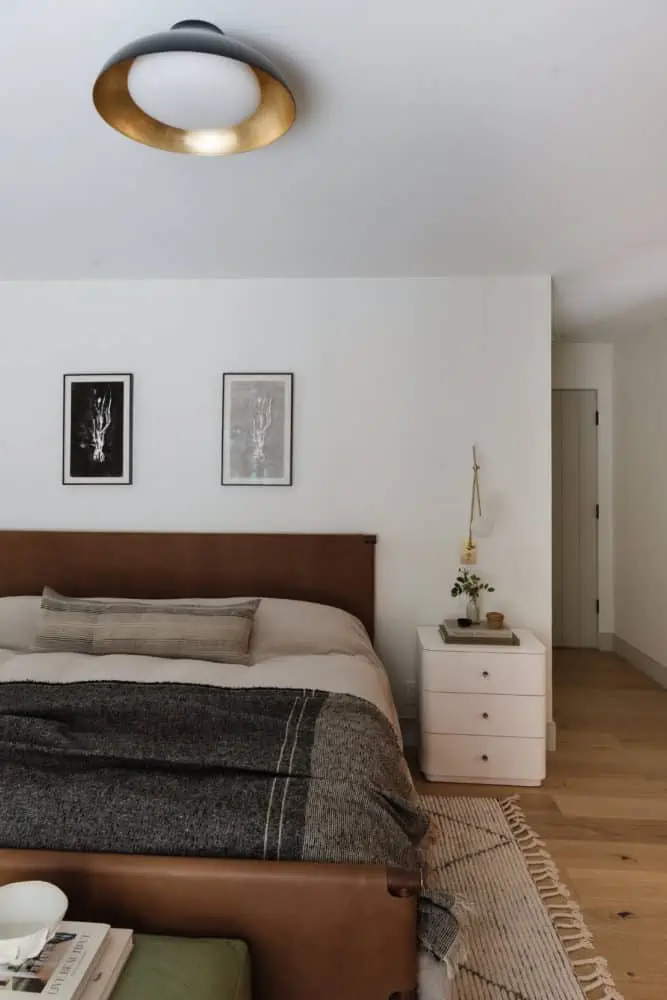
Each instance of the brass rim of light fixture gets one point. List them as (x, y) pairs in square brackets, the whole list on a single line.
[(274, 115)]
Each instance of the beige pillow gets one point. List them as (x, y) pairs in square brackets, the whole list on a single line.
[(19, 617), (295, 628), (174, 630)]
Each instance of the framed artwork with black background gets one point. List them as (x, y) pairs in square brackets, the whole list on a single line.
[(257, 429), (97, 430)]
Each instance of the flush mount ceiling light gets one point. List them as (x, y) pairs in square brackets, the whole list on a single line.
[(193, 89)]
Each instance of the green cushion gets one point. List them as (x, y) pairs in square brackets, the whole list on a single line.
[(174, 968)]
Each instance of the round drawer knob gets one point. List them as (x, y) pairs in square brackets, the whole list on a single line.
[(485, 756), (485, 715), (485, 673)]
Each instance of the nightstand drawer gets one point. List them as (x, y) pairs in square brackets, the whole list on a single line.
[(483, 672), (483, 758), (482, 714)]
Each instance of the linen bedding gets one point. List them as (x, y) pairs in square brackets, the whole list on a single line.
[(296, 758)]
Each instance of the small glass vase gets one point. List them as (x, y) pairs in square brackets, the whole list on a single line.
[(473, 610)]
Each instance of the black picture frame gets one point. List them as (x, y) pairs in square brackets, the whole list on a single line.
[(257, 429), (97, 429)]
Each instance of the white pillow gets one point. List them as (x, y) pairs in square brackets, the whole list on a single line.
[(19, 618), (292, 628)]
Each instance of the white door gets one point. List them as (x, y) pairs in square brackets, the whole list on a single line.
[(575, 517)]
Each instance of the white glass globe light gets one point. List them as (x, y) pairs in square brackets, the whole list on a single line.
[(481, 527), (194, 90)]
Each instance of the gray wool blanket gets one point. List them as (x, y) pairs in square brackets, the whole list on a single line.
[(181, 769)]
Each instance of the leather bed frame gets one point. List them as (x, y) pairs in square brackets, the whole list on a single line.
[(315, 931)]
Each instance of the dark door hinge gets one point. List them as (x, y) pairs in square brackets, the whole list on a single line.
[(597, 607), (597, 417), (597, 511)]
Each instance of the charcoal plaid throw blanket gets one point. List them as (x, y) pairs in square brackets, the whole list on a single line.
[(179, 769)]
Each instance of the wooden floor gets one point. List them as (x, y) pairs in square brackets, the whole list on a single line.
[(603, 811)]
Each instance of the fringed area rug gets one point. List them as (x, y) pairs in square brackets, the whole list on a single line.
[(524, 938)]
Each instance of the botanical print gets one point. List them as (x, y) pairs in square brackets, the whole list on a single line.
[(257, 421), (97, 429)]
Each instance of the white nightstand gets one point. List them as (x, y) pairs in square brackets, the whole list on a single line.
[(482, 710)]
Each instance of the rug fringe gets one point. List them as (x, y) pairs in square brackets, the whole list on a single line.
[(592, 973)]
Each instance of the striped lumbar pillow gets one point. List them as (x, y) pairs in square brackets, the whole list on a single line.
[(217, 632)]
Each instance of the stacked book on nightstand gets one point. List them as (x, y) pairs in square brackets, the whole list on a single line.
[(476, 635), (80, 962)]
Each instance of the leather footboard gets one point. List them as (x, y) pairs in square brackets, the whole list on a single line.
[(315, 931)]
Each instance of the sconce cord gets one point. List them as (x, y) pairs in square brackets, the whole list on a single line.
[(476, 496)]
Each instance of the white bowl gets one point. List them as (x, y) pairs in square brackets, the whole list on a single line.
[(29, 915)]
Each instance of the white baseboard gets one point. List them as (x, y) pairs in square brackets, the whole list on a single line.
[(643, 662)]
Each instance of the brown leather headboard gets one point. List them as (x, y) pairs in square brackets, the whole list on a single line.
[(330, 569)]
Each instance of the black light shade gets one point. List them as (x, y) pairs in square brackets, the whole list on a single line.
[(274, 115)]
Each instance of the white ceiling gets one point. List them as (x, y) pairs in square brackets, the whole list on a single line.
[(435, 137)]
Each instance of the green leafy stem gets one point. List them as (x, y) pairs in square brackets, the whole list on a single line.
[(470, 584)]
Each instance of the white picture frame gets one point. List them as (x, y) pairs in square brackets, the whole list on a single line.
[(257, 415)]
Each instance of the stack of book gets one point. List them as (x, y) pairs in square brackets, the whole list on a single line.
[(79, 962), (477, 635)]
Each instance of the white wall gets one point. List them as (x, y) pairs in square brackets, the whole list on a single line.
[(591, 366), (394, 380), (641, 491)]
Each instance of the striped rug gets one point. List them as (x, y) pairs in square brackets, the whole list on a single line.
[(524, 937)]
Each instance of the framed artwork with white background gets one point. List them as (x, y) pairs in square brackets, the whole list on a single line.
[(97, 429), (257, 428)]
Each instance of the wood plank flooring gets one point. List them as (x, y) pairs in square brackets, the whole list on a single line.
[(603, 811)]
